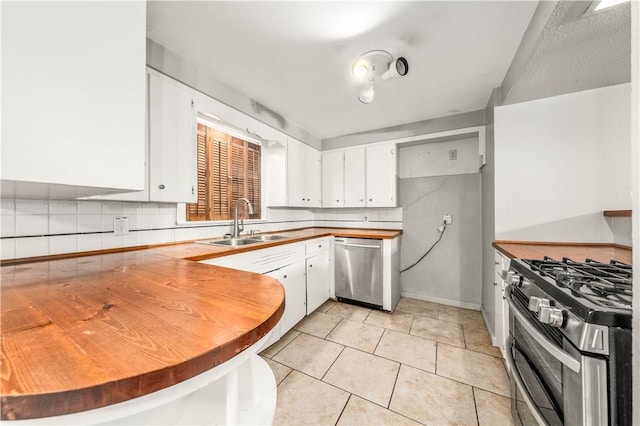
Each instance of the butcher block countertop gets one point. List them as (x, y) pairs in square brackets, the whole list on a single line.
[(82, 332), (576, 251)]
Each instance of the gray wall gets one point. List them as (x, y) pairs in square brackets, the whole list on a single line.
[(451, 273), (424, 127)]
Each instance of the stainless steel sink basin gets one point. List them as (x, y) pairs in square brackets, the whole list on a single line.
[(234, 242), (268, 237), (243, 241)]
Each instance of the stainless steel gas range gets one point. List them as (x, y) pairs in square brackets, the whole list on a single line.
[(569, 347)]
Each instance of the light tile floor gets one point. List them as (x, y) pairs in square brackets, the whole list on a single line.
[(423, 364)]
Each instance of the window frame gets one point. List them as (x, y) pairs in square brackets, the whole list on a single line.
[(213, 122)]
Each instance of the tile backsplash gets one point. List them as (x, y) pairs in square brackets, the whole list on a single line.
[(44, 227)]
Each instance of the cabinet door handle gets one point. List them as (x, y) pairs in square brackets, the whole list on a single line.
[(337, 201), (192, 190), (161, 186), (496, 263), (310, 266), (285, 277), (495, 283), (370, 199)]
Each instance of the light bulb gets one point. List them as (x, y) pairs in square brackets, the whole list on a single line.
[(360, 69), (366, 96)]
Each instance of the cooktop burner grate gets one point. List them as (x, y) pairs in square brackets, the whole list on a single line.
[(608, 285)]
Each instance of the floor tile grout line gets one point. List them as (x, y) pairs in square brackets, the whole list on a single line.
[(475, 404), (332, 363), (343, 408)]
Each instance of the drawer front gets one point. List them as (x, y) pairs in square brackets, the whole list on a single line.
[(261, 261), (316, 246)]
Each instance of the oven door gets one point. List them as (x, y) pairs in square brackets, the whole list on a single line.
[(552, 382)]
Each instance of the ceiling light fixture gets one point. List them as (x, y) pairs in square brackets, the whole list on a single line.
[(377, 63), (366, 96)]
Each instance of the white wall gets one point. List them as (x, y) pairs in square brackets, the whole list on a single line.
[(559, 163)]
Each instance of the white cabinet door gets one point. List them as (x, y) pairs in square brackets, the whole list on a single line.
[(172, 143), (296, 182), (318, 281), (354, 177), (381, 176), (333, 179), (73, 92), (303, 175), (502, 308), (274, 156), (292, 278), (313, 176)]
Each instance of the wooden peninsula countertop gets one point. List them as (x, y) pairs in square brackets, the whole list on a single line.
[(576, 251), (81, 332)]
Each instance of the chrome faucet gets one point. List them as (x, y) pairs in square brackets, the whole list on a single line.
[(238, 228)]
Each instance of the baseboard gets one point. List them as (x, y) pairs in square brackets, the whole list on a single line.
[(490, 330), (456, 303)]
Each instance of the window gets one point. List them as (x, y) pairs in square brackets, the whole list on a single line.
[(228, 169)]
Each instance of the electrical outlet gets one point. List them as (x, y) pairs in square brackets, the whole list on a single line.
[(446, 219), (120, 225), (453, 154)]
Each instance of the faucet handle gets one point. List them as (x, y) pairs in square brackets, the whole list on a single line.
[(253, 232), (241, 226)]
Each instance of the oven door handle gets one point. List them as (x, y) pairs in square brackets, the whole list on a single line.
[(560, 355), (515, 374)]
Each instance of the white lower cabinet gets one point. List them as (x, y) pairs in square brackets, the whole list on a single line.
[(318, 280), (293, 280), (303, 269)]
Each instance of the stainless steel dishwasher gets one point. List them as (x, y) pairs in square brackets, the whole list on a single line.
[(358, 271)]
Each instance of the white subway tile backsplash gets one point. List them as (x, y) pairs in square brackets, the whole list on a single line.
[(133, 239), (131, 209), (89, 242), (150, 208), (89, 223), (157, 237), (112, 241), (107, 222), (8, 249), (63, 224), (8, 226), (63, 207), (7, 206), (30, 207), (115, 208), (63, 244), (33, 246), (27, 224), (89, 207)]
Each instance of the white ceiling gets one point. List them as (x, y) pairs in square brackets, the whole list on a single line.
[(295, 57)]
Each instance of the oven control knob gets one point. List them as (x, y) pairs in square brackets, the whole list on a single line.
[(512, 278), (535, 303), (551, 316)]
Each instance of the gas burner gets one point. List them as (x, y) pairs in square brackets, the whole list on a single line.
[(607, 285)]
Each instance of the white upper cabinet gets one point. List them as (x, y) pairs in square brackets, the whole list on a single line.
[(381, 176), (333, 179), (303, 175), (73, 100), (354, 181), (360, 177), (172, 142)]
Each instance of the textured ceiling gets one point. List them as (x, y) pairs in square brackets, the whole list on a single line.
[(576, 53), (295, 57)]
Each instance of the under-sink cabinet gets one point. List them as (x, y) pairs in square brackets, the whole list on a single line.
[(304, 269)]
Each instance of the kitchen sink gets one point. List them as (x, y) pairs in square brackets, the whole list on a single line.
[(268, 237), (243, 241), (233, 242)]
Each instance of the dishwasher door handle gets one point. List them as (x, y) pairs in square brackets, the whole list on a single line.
[(357, 245)]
